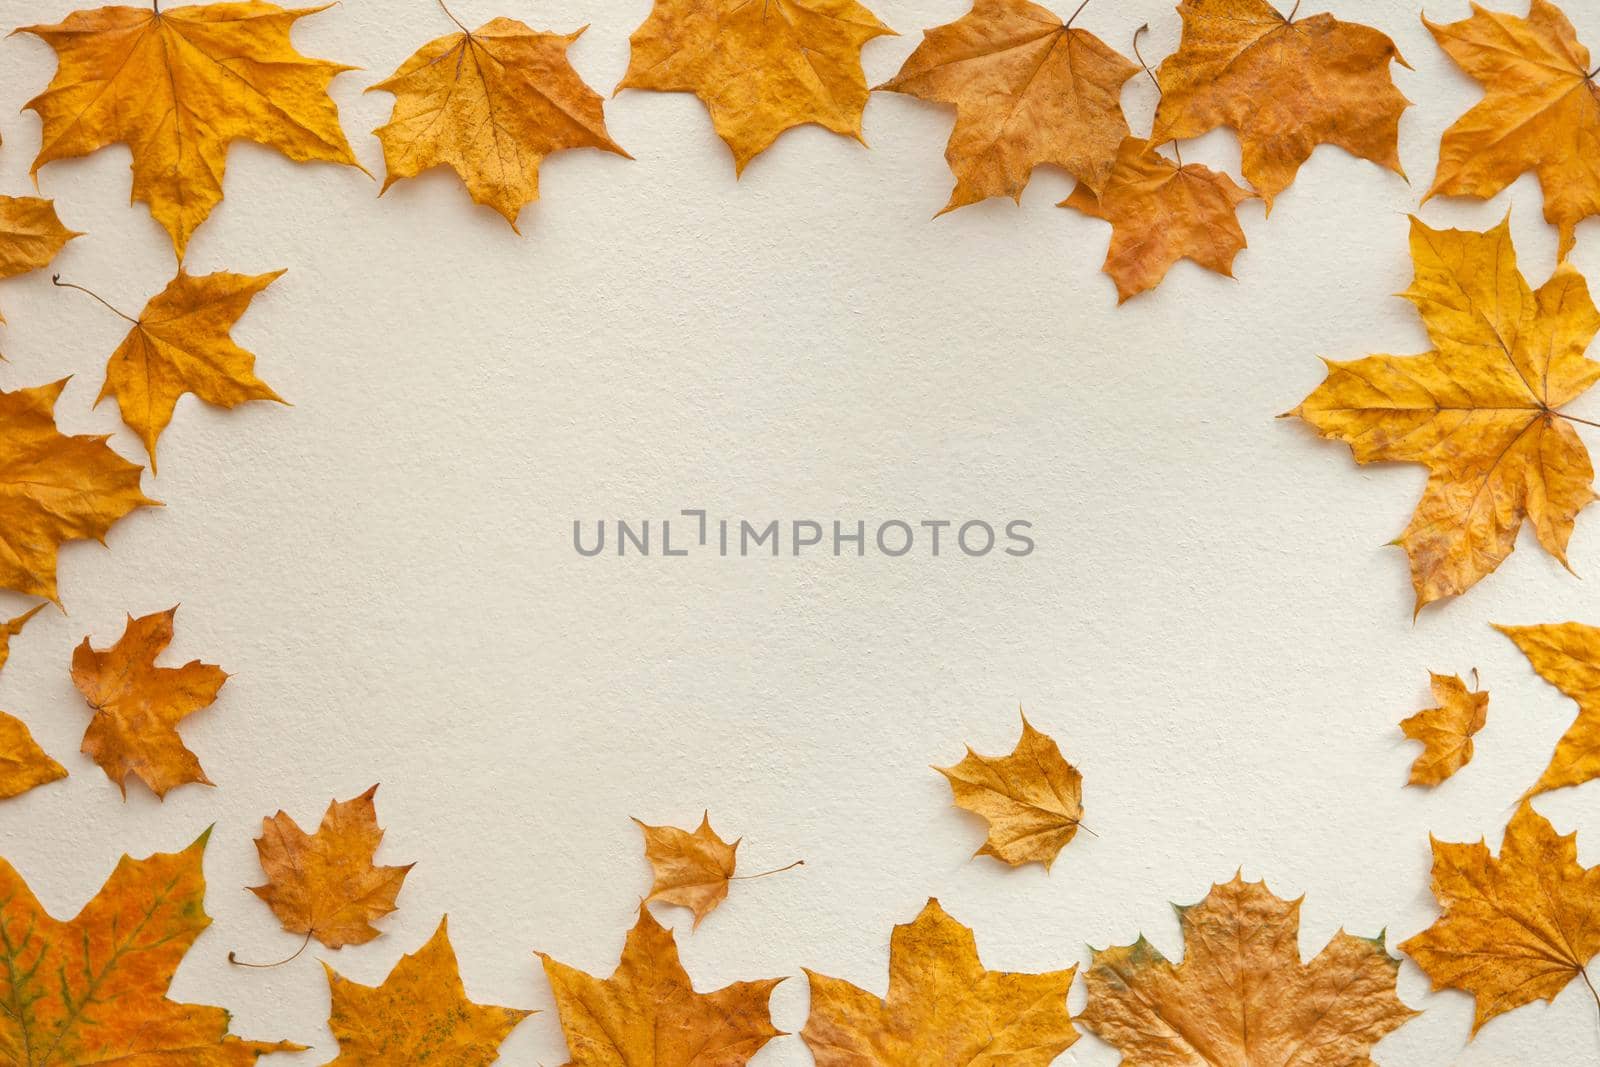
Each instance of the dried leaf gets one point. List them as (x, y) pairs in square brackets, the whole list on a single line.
[(1241, 994), (419, 1015), (1032, 799), (943, 1007), (1540, 112), (760, 69), (1027, 90), (30, 235), (1514, 929), (177, 86), (324, 884), (10, 629), (1286, 86), (691, 869), (1567, 655), (137, 705), (1445, 731), (23, 764), (53, 488), (180, 344), (1481, 411), (491, 105), (117, 957), (1161, 212), (647, 1014)]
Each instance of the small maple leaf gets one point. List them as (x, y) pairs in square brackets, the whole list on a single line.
[(647, 1013), (30, 235), (23, 764), (1514, 929), (137, 705), (419, 1015), (760, 68), (490, 104), (1481, 411), (177, 86), (1032, 799), (324, 885), (1027, 90), (1540, 112), (1242, 991), (943, 1007), (1160, 212), (1567, 655), (1445, 731), (53, 488), (93, 989), (1285, 85), (691, 870)]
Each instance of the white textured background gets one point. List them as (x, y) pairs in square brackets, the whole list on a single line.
[(1211, 626)]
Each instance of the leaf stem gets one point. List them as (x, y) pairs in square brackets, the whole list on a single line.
[(1075, 15), (1596, 995), (763, 874), (1160, 92), (1574, 418), (449, 15), (233, 959), (1293, 13), (55, 279)]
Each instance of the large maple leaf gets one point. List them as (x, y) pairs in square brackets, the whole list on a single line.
[(178, 86), (943, 1007), (490, 104), (1241, 994), (1516, 928), (93, 989), (419, 1016), (1481, 412), (1285, 85), (647, 1013), (760, 68), (53, 488), (1032, 798), (1027, 90), (1567, 655), (1540, 112)]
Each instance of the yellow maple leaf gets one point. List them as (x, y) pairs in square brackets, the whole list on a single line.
[(1540, 112), (23, 764), (1285, 85), (1445, 731), (177, 87), (1241, 994), (1567, 655), (1481, 412), (53, 488), (324, 885), (1032, 799), (420, 1015), (137, 705), (1514, 929), (490, 104), (30, 235), (12, 628), (943, 1007), (93, 989), (760, 68), (1160, 212), (691, 870), (647, 1013), (1027, 90)]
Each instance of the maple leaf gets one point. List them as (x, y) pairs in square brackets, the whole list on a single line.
[(53, 488), (93, 989), (1480, 412), (1241, 994), (1284, 85), (1161, 212), (759, 68), (1540, 112), (23, 764), (691, 870), (324, 885), (1567, 655), (419, 1015), (490, 104), (10, 629), (647, 1013), (177, 87), (1032, 799), (30, 235), (1514, 929), (137, 705), (1445, 731), (943, 1007), (1027, 90)]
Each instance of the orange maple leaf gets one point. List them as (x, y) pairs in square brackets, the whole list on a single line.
[(1567, 655), (30, 235), (23, 764), (137, 705), (1445, 731), (1032, 799)]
